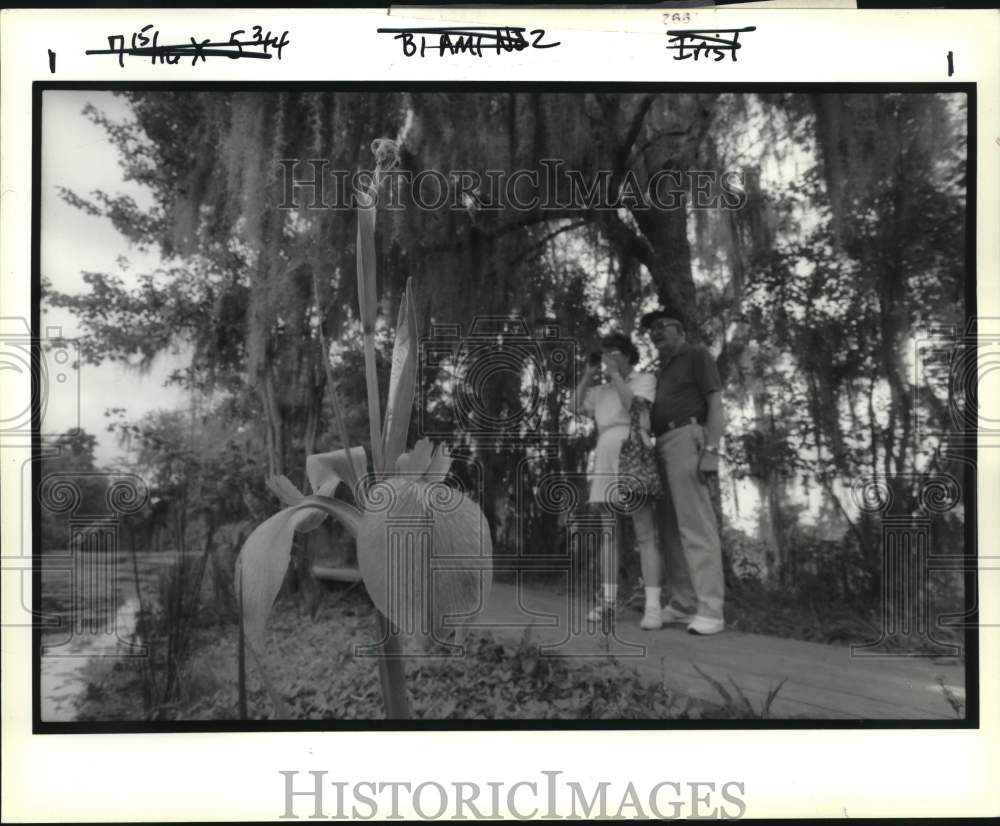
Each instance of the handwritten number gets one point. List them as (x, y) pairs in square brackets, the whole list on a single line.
[(143, 40), (199, 50), (120, 48), (539, 34), (282, 42), (235, 41)]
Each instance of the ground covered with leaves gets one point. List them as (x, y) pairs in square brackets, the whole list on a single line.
[(315, 667), (769, 611)]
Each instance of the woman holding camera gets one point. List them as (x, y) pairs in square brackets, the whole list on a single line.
[(609, 403)]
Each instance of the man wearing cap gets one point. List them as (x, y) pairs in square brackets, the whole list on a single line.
[(687, 421)]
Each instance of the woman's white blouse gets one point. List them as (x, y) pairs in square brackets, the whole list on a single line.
[(605, 405)]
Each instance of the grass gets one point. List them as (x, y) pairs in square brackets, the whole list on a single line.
[(737, 704)]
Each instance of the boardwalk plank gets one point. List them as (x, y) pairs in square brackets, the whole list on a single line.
[(823, 681)]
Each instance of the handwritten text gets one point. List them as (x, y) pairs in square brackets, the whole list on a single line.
[(694, 42), (143, 43), (474, 40)]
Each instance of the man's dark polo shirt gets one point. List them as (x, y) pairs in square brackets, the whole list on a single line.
[(682, 387)]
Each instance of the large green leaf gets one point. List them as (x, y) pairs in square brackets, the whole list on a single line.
[(402, 380), (344, 512), (368, 310), (290, 496), (416, 462), (322, 468), (425, 555), (263, 559), (367, 294), (260, 569)]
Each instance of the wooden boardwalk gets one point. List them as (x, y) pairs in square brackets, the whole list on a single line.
[(822, 681)]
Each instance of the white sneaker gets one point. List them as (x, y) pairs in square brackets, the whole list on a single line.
[(651, 620), (600, 611), (705, 626), (669, 614)]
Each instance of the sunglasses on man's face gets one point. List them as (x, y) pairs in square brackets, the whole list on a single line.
[(662, 325)]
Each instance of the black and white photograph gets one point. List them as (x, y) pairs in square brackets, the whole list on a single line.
[(562, 404), (437, 412)]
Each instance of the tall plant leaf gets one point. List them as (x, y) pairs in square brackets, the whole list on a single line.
[(367, 294), (321, 468), (402, 380), (425, 553), (325, 482), (260, 569), (289, 495), (352, 475), (368, 310), (264, 557), (440, 463), (416, 462)]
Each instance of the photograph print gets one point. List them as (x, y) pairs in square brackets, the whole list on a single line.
[(533, 405)]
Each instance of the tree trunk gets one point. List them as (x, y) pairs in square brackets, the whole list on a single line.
[(670, 265), (275, 425)]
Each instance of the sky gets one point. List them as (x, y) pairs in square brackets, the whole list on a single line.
[(77, 154)]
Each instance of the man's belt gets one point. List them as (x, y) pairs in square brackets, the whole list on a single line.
[(674, 424)]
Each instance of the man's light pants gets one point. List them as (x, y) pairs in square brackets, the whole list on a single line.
[(689, 530)]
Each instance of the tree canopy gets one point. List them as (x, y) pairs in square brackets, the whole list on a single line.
[(846, 244)]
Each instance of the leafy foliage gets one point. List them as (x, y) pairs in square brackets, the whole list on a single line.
[(71, 456), (496, 679), (849, 248)]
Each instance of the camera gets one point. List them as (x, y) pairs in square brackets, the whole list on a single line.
[(39, 370), (469, 378), (594, 359)]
